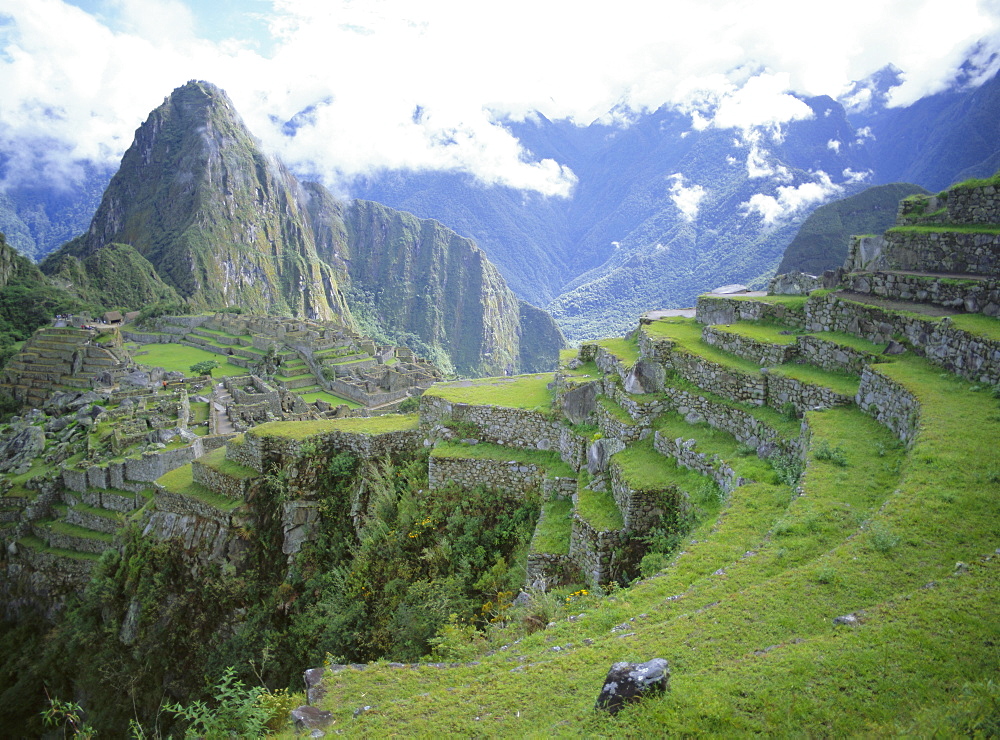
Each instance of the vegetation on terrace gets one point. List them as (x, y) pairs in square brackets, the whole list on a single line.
[(517, 392), (549, 461), (180, 358), (371, 425)]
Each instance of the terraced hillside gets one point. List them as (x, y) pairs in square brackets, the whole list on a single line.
[(878, 506)]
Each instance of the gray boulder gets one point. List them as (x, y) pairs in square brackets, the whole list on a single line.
[(17, 453), (629, 682), (580, 402), (138, 379), (794, 283), (310, 718)]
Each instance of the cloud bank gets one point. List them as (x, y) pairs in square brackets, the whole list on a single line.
[(403, 85)]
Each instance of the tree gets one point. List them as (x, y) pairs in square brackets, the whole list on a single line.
[(205, 367)]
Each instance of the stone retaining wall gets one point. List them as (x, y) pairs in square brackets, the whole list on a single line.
[(504, 426), (594, 551), (573, 448), (220, 483), (979, 205), (514, 478), (687, 455), (111, 501), (544, 569), (644, 509), (95, 522), (972, 357), (761, 353), (803, 396), (891, 404), (719, 379), (973, 296), (257, 452), (832, 356), (168, 502), (943, 251), (712, 309), (614, 428)]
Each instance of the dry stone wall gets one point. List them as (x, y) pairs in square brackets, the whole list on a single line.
[(721, 310), (504, 426), (749, 349), (890, 403), (973, 296), (972, 357), (803, 396), (942, 251), (684, 451), (593, 551), (511, 477)]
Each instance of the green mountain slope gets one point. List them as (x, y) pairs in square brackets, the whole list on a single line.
[(199, 213), (821, 242)]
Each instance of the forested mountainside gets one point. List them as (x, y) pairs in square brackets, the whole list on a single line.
[(198, 214), (821, 241)]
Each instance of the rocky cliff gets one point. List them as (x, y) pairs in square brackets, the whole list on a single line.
[(222, 224)]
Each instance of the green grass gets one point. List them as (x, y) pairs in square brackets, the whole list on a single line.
[(718, 443), (626, 350), (852, 342), (180, 482), (645, 469), (978, 325), (553, 531), (686, 335), (216, 460), (792, 301), (72, 530), (105, 513), (39, 545), (744, 615), (517, 392), (598, 508), (549, 461), (180, 358), (760, 332), (355, 425), (842, 383), (949, 228), (615, 411), (330, 398), (772, 418)]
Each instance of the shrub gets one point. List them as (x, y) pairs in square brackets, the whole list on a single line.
[(833, 454), (882, 539), (237, 710), (787, 466)]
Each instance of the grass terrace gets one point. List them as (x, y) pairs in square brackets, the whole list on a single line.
[(548, 461), (180, 358), (792, 301), (554, 527), (35, 543), (715, 442), (355, 425), (645, 469), (978, 325), (330, 398), (216, 460), (760, 332), (842, 383), (598, 508), (626, 350), (686, 335), (952, 228), (516, 392), (181, 483)]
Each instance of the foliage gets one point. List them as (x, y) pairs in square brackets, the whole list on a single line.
[(68, 716), (835, 454), (235, 710), (205, 367)]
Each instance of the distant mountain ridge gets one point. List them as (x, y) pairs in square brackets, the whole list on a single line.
[(198, 212), (822, 240)]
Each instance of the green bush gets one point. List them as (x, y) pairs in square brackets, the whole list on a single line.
[(235, 711)]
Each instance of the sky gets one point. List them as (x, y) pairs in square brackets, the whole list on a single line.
[(430, 84)]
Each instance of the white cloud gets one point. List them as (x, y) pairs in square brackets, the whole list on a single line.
[(851, 177), (833, 145), (687, 199), (758, 164), (84, 82), (791, 199)]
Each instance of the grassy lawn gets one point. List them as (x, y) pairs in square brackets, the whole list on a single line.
[(180, 358), (356, 425), (516, 392), (978, 325), (645, 469)]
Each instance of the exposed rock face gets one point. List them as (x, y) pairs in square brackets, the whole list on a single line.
[(793, 283), (218, 220), (17, 453), (629, 682), (198, 211)]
